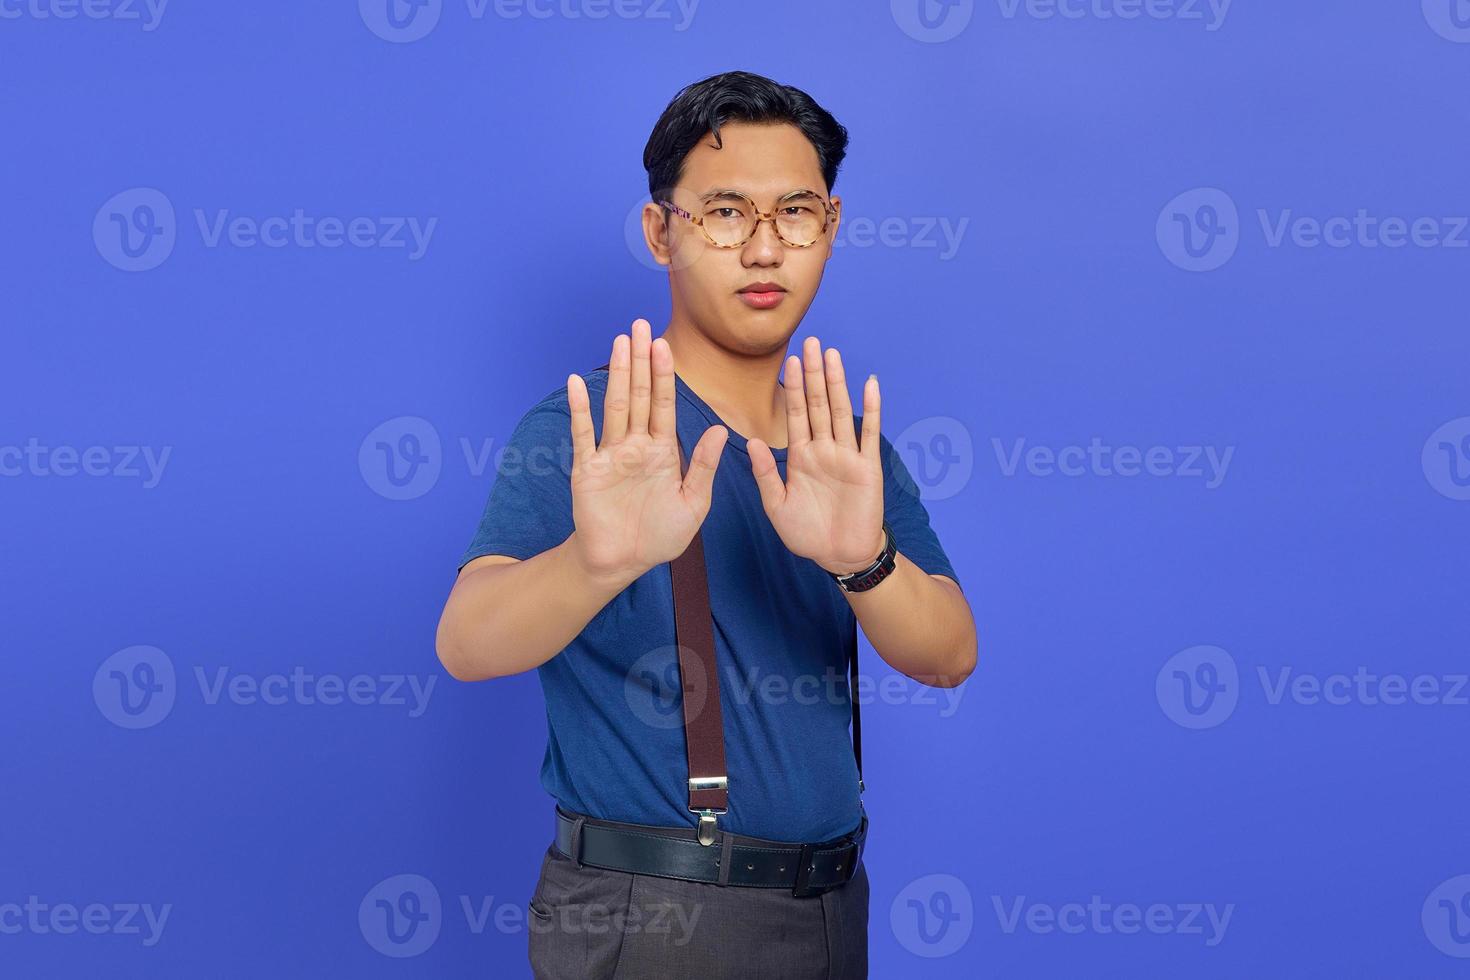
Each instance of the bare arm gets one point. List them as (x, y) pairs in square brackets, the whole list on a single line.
[(505, 615), (830, 509), (920, 624)]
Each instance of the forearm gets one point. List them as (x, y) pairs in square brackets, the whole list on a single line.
[(921, 625), (506, 618)]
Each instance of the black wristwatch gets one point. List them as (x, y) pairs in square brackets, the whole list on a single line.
[(865, 578)]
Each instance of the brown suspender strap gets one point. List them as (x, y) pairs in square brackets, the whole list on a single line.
[(704, 732), (699, 675)]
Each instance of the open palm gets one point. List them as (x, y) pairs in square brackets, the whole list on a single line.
[(830, 506), (631, 506)]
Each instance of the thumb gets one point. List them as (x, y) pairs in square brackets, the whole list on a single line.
[(767, 477), (700, 477)]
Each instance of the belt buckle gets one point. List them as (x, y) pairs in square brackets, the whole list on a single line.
[(850, 864), (802, 888)]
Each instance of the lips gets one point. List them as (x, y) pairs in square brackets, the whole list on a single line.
[(762, 295)]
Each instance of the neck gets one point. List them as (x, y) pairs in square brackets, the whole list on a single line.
[(743, 389)]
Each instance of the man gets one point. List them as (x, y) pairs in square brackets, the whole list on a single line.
[(570, 573)]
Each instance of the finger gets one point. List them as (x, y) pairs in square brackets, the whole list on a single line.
[(661, 422), (583, 436), (641, 382), (816, 390), (837, 397), (699, 478), (798, 430), (767, 476), (615, 399), (871, 401)]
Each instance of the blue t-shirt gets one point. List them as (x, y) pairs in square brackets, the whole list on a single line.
[(615, 747)]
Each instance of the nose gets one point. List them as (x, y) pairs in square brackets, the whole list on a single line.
[(764, 248)]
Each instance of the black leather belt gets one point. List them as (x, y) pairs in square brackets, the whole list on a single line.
[(732, 859)]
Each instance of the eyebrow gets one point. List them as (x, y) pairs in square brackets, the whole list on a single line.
[(720, 193)]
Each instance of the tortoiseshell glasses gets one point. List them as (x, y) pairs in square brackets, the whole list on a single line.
[(729, 219)]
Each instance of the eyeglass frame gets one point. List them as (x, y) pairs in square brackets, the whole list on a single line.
[(827, 212)]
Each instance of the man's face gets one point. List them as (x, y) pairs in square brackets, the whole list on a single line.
[(766, 163)]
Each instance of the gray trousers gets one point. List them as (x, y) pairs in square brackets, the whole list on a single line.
[(591, 924)]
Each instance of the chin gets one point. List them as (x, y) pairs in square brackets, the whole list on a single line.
[(758, 333)]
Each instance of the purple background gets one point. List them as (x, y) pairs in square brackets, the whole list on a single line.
[(1336, 539)]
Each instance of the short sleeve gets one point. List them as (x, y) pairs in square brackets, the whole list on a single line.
[(904, 510), (530, 504)]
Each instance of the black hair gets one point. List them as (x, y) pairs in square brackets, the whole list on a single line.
[(736, 96)]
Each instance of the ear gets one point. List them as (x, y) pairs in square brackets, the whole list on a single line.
[(656, 233), (836, 220), (673, 247)]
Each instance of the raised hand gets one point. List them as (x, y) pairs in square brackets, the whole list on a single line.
[(631, 508), (830, 508)]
